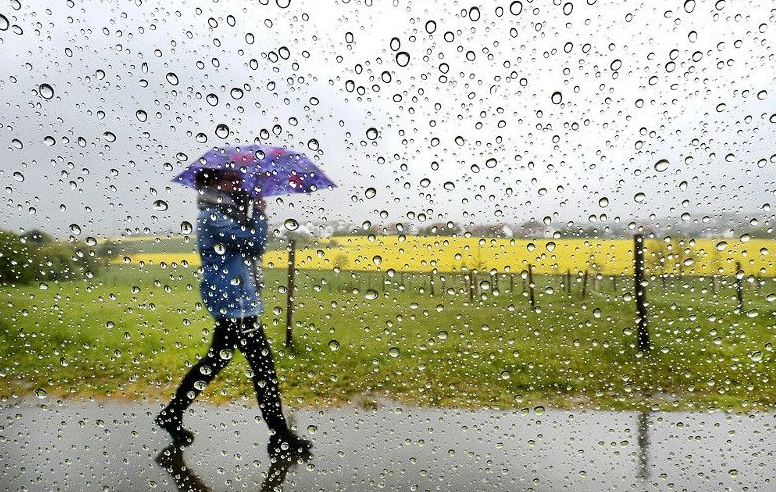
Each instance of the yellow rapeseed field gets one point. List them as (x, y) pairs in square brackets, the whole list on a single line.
[(556, 256)]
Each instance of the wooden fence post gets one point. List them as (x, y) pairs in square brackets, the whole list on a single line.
[(584, 285), (568, 282), (472, 285), (531, 286), (641, 292), (290, 298), (739, 286)]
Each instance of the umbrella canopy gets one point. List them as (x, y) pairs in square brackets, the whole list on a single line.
[(266, 170)]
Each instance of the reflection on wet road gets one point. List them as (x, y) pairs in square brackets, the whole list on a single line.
[(114, 446)]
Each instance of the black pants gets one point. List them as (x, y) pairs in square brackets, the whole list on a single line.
[(229, 335)]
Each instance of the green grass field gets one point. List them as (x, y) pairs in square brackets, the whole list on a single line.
[(361, 338)]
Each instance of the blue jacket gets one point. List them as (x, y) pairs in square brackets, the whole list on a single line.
[(226, 247)]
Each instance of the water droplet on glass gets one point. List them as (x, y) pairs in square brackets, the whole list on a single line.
[(370, 294), (291, 224), (756, 356), (491, 163), (334, 345), (109, 136), (186, 227), (550, 246), (40, 393), (141, 115), (75, 229), (394, 352), (201, 137), (160, 205), (370, 192), (313, 144), (4, 24), (556, 97), (431, 27), (689, 6), (49, 140), (639, 197), (211, 99), (371, 133), (603, 202), (474, 14), (46, 91), (311, 429), (402, 58), (516, 7), (449, 186), (236, 93), (222, 131), (661, 165), (219, 248), (18, 176), (172, 78), (722, 245), (17, 143)]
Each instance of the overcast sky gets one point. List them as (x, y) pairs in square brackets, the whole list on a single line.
[(484, 112)]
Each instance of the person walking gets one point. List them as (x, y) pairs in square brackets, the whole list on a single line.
[(231, 240)]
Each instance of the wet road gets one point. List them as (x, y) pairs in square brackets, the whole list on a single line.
[(99, 446)]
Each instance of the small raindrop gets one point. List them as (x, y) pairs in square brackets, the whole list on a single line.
[(639, 197), (334, 345), (291, 224), (722, 245), (109, 136), (370, 294), (17, 143), (431, 27), (40, 393), (395, 44), (449, 185), (556, 97), (236, 93), (46, 91), (394, 352), (474, 14), (186, 227), (313, 144), (311, 429), (371, 133), (18, 176), (516, 7), (491, 163), (402, 58), (172, 78), (49, 140), (4, 24), (75, 229), (603, 202), (756, 356), (201, 137), (370, 192), (661, 165), (222, 131), (141, 115), (160, 205), (377, 259), (689, 6), (225, 354), (211, 99), (762, 95), (219, 248), (551, 246)]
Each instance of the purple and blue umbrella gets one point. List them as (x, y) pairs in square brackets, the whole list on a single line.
[(266, 170)]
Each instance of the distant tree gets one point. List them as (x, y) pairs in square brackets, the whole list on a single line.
[(16, 259), (36, 236)]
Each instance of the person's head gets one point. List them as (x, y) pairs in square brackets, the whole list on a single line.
[(227, 180)]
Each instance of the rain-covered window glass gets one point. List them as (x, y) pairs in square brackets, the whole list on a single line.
[(410, 245)]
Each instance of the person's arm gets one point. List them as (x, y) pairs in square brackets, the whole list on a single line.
[(250, 239)]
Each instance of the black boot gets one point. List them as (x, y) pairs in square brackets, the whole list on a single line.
[(173, 424)]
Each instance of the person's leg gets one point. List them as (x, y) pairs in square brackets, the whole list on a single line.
[(255, 346), (197, 378), (258, 353)]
